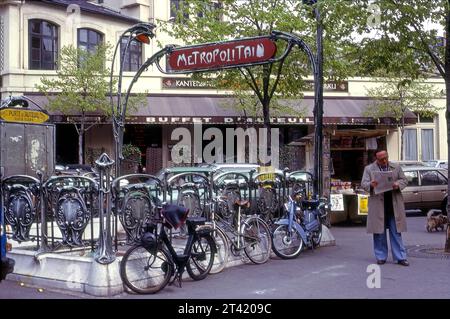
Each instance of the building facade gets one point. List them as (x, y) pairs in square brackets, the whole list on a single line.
[(32, 33)]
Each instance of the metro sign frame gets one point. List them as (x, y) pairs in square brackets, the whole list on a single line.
[(222, 55)]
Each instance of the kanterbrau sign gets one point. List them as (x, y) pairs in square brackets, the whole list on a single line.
[(214, 56)]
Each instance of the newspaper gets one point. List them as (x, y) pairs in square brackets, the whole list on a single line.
[(337, 202), (384, 180)]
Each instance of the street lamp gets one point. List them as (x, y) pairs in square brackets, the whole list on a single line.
[(318, 104), (141, 32)]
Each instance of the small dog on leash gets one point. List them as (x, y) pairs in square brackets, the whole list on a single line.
[(436, 222)]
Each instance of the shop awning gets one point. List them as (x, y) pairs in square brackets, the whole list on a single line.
[(218, 110), (188, 109)]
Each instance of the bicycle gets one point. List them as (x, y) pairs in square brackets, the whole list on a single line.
[(250, 234), (148, 266), (269, 198)]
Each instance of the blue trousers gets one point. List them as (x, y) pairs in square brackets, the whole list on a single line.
[(380, 244)]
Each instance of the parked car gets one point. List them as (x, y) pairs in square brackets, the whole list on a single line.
[(427, 188), (437, 163), (407, 163), (75, 169), (172, 171)]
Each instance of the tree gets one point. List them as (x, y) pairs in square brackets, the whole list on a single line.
[(81, 86), (408, 38), (396, 96), (234, 19)]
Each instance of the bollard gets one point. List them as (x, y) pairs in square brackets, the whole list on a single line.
[(104, 253)]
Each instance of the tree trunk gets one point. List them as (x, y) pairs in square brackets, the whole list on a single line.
[(266, 114), (80, 144)]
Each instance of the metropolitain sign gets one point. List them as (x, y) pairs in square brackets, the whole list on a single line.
[(215, 56)]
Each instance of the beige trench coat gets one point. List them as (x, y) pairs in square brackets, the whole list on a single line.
[(375, 218)]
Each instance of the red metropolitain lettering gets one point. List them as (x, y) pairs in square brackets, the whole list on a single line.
[(222, 55)]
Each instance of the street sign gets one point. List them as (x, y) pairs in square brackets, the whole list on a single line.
[(23, 116), (215, 56)]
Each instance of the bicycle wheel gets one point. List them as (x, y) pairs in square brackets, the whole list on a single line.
[(286, 244), (222, 248), (144, 272), (317, 237), (256, 240), (202, 257)]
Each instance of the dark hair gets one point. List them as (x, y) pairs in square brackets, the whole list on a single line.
[(378, 150)]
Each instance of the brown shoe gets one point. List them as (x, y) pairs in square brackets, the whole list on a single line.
[(403, 262), (381, 262)]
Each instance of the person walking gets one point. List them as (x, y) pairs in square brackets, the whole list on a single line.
[(386, 210)]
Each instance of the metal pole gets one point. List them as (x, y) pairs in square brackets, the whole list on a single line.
[(118, 114), (318, 108), (43, 205), (104, 253)]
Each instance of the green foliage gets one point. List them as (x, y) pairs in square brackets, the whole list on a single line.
[(263, 85), (403, 41), (131, 152), (81, 84), (394, 97)]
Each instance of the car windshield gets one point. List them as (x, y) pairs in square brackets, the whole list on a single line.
[(443, 165)]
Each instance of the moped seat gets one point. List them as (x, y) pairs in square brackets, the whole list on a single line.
[(310, 204)]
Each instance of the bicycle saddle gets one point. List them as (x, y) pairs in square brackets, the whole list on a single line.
[(242, 203)]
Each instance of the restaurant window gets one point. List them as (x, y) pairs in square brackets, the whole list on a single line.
[(133, 57), (427, 144), (43, 45), (211, 7), (175, 6), (89, 39), (410, 144)]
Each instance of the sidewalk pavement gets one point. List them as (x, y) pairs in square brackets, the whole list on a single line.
[(340, 271)]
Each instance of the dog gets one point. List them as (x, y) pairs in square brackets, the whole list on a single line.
[(436, 222)]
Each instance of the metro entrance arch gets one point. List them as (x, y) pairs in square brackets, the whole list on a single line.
[(238, 53)]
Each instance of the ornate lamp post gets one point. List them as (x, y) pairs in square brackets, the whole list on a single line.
[(141, 32)]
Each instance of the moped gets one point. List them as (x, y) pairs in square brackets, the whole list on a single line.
[(301, 224)]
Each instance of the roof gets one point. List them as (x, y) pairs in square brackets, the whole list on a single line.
[(93, 8), (423, 168)]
